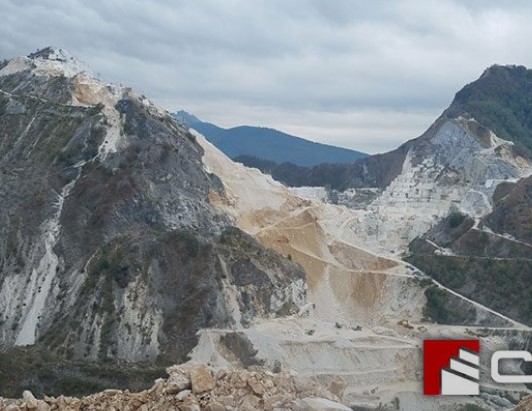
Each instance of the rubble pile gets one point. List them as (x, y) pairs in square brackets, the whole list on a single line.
[(198, 387), (525, 404)]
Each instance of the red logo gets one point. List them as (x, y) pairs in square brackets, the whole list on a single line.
[(450, 367)]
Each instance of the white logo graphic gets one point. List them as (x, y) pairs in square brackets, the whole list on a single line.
[(462, 376), (509, 355)]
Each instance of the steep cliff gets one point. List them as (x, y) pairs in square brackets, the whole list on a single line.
[(109, 246)]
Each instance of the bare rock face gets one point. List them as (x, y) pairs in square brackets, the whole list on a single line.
[(201, 388), (110, 249)]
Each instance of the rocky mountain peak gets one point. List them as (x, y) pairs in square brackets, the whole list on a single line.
[(499, 100), (56, 61), (49, 62), (509, 70), (51, 53), (112, 197)]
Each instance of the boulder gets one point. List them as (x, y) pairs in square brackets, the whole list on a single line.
[(201, 379), (183, 395), (215, 406), (30, 400), (177, 382), (189, 406), (257, 386), (337, 386)]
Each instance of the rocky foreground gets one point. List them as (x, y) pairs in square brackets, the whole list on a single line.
[(525, 404), (198, 387)]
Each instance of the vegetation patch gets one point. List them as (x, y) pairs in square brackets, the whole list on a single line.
[(500, 100), (455, 219), (436, 308), (45, 373), (111, 262), (240, 345), (504, 285), (472, 407), (237, 245), (3, 104)]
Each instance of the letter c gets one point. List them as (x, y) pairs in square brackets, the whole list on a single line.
[(510, 355)]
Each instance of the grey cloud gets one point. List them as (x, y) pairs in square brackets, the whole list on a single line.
[(271, 61)]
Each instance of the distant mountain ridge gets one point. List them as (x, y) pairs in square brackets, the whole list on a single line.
[(500, 100), (269, 144)]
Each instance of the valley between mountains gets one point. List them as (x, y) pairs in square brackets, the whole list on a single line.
[(129, 243)]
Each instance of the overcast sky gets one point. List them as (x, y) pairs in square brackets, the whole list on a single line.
[(367, 75)]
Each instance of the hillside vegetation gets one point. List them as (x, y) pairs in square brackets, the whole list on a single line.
[(501, 99)]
